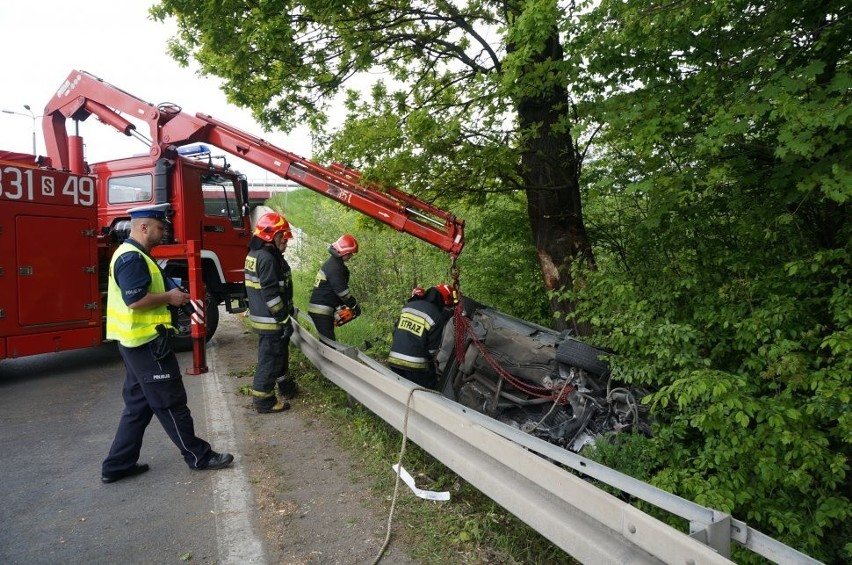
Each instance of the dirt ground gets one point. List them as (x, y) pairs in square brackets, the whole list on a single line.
[(314, 504)]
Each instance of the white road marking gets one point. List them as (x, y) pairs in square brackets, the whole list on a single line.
[(237, 540)]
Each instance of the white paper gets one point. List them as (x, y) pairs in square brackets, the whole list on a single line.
[(426, 494)]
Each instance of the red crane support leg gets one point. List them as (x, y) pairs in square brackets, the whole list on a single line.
[(197, 295)]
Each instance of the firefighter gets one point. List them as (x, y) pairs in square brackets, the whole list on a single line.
[(138, 317), (417, 336), (331, 303), (269, 286)]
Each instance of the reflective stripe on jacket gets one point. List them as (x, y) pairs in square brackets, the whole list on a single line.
[(331, 288), (417, 336), (134, 327), (269, 288)]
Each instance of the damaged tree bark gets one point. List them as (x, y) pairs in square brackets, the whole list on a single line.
[(550, 166)]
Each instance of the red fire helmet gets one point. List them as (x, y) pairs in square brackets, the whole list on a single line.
[(448, 293), (271, 223), (345, 245)]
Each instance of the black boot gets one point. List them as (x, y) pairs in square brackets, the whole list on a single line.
[(287, 387), (280, 406), (266, 402)]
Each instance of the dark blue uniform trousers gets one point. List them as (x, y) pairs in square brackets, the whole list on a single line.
[(154, 387), (426, 379), (324, 325), (273, 361)]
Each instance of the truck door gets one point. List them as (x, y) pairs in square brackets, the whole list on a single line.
[(56, 271), (225, 223)]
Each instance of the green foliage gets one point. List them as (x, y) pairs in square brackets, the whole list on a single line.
[(434, 156), (498, 266), (718, 200), (447, 115), (751, 399)]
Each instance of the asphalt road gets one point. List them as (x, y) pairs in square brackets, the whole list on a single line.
[(58, 414)]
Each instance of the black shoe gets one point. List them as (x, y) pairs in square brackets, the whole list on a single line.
[(137, 469), (279, 406), (217, 461)]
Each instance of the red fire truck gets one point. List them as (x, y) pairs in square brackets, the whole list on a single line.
[(46, 284), (49, 295)]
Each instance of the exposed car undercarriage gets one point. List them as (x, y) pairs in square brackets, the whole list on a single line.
[(540, 381)]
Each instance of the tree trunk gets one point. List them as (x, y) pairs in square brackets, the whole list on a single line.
[(550, 169)]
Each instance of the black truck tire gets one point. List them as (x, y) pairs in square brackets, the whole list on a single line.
[(183, 340)]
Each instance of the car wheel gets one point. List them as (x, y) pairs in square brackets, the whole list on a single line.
[(183, 340), (579, 354)]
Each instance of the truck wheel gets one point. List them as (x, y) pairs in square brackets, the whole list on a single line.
[(183, 340), (578, 354)]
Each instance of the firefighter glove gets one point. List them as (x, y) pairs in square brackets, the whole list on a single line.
[(287, 330)]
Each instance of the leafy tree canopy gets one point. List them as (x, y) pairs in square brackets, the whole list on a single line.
[(441, 62), (718, 196)]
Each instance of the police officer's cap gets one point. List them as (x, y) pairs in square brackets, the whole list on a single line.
[(160, 212)]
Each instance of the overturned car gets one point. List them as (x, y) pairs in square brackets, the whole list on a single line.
[(542, 382)]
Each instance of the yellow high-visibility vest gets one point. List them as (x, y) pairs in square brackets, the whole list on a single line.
[(130, 327)]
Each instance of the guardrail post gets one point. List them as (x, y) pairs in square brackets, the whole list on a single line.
[(716, 534)]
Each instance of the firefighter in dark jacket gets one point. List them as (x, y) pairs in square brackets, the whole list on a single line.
[(331, 303), (269, 286), (417, 336)]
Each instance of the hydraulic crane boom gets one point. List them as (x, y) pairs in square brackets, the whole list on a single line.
[(83, 94)]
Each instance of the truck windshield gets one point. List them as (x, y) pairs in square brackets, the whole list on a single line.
[(133, 188)]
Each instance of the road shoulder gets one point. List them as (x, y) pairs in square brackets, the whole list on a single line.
[(312, 502)]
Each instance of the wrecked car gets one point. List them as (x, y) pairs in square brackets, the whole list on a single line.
[(546, 383)]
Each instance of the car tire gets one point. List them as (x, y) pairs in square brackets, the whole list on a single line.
[(578, 354)]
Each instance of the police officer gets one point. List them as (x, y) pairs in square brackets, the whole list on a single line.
[(269, 286), (417, 336), (331, 287), (138, 317)]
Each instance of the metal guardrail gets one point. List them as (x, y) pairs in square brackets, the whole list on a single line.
[(516, 470)]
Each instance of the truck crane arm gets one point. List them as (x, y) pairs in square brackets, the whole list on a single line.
[(82, 94)]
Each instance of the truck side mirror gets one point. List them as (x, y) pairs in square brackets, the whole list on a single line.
[(244, 195)]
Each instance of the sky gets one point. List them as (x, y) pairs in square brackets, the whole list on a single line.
[(42, 41)]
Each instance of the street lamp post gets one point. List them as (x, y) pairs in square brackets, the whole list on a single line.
[(30, 115), (27, 106)]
